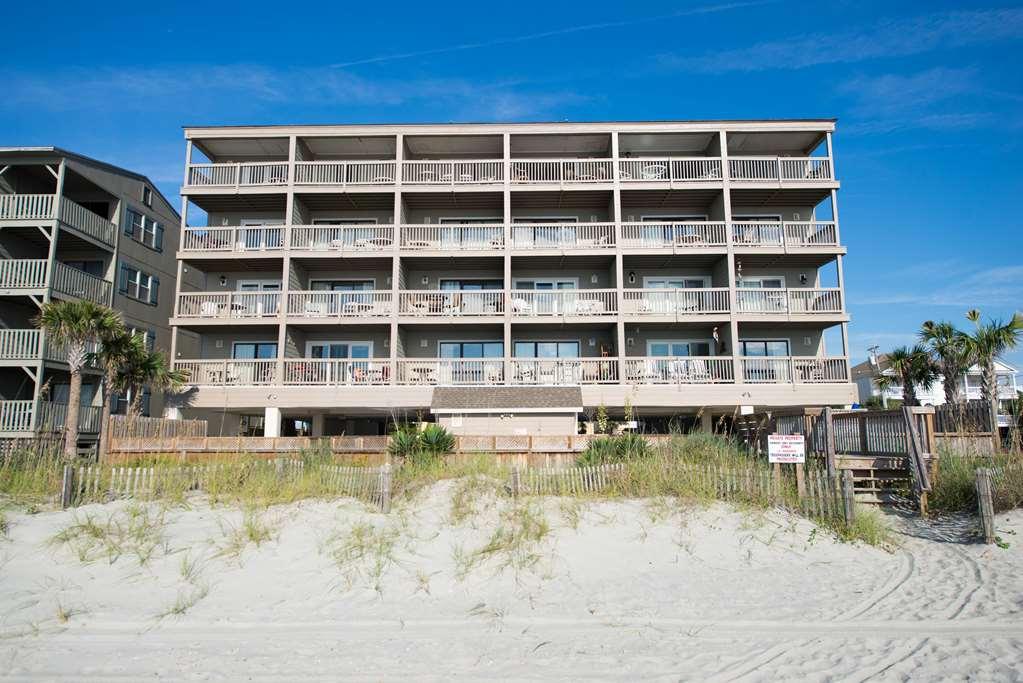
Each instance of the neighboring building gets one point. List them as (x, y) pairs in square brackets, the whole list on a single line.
[(72, 227), (344, 272), (866, 373)]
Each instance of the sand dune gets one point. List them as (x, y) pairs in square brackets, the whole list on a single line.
[(620, 590)]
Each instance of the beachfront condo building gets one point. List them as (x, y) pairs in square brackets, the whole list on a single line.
[(72, 227), (508, 278)]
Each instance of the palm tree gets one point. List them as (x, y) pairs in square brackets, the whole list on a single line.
[(989, 340), (911, 368), (74, 324), (115, 351), (950, 349), (148, 369)]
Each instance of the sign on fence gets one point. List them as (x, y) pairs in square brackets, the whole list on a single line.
[(786, 448)]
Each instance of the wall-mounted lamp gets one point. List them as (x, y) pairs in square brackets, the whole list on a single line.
[(803, 279), (632, 277), (593, 279), (426, 280), (592, 341), (223, 281), (630, 341)]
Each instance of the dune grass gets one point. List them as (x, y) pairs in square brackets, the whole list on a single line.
[(954, 486), (136, 531)]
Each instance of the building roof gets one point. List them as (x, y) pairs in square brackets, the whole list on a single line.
[(511, 399), (867, 369), (515, 124), (47, 151)]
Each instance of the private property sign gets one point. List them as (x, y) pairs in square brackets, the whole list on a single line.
[(786, 448)]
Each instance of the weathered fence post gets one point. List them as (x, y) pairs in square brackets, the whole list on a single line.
[(516, 481), (800, 481), (829, 441), (67, 485), (985, 504), (385, 488), (848, 497)]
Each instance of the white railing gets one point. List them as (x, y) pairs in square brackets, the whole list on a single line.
[(796, 369), (344, 172), (685, 235), (811, 234), (368, 237), (450, 237), (797, 300), (249, 174), (524, 171), (452, 172), (87, 222), (446, 371), (780, 169), (827, 300), (226, 305), (20, 344), (680, 370), (562, 371), (675, 302), (758, 234), (456, 303), (16, 416), (334, 371), (563, 236), (26, 206), (23, 273), (53, 417), (565, 302), (228, 372), (78, 283), (674, 169), (59, 352), (324, 304), (237, 238)]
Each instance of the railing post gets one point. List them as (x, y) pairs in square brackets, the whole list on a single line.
[(848, 497), (829, 441), (985, 504)]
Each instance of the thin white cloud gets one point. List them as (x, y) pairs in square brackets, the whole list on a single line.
[(1000, 286), (692, 11), (899, 37)]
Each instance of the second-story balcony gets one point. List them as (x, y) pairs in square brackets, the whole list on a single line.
[(452, 172), (678, 236), (564, 303), (32, 276), (675, 303), (345, 173), (784, 170), (452, 237), (40, 207), (235, 175), (790, 235), (795, 301), (561, 171), (228, 305), (670, 170), (28, 345), (326, 305), (452, 303), (244, 238)]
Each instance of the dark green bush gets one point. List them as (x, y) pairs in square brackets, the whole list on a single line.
[(621, 448)]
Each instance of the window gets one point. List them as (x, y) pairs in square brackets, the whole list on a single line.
[(546, 349), (764, 348), (138, 285), (148, 335), (762, 283), (545, 285), (143, 229), (147, 196), (675, 282), (340, 350), (343, 285), (254, 350), (672, 349), (469, 285), (472, 349), (250, 425)]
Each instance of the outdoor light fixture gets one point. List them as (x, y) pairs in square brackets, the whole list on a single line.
[(632, 277), (802, 278), (223, 281)]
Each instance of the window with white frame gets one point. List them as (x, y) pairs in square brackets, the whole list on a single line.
[(147, 195), (143, 229), (139, 285)]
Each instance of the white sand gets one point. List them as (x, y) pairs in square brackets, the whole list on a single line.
[(630, 592)]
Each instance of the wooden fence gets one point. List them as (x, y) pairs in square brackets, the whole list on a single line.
[(972, 417), (132, 427), (998, 489)]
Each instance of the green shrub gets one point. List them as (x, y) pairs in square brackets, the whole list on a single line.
[(621, 448), (404, 442), (417, 446), (436, 440)]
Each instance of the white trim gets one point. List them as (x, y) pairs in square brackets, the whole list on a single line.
[(344, 279), (268, 341), (504, 411), (673, 217), (347, 221), (708, 342), (516, 280), (705, 278), (309, 348)]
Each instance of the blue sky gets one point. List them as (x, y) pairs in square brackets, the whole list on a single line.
[(929, 98)]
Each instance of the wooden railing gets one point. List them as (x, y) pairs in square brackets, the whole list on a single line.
[(369, 237), (87, 222), (452, 172), (450, 371), (675, 302), (676, 169), (78, 283), (562, 371), (334, 371), (225, 305), (688, 370), (238, 174), (23, 273), (26, 206), (323, 304), (527, 171), (789, 301), (810, 234), (563, 303), (780, 169), (792, 235), (59, 352), (53, 417), (228, 372), (344, 172), (16, 416), (20, 344), (794, 370), (235, 238), (450, 237), (686, 235), (563, 236), (458, 303)]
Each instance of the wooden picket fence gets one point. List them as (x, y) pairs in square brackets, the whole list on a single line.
[(996, 488), (556, 481), (134, 427)]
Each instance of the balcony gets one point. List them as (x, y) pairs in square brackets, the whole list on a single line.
[(39, 207), (561, 171), (219, 373), (248, 239), (259, 174), (691, 370), (566, 303), (324, 305), (685, 236), (87, 222), (359, 239), (670, 170), (16, 418), (229, 305), (453, 172), (563, 236), (788, 235), (26, 345), (794, 370), (451, 303), (802, 301), (452, 237), (344, 173), (29, 275), (783, 170), (675, 303), (20, 207)]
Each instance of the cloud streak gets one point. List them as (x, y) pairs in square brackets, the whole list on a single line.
[(1000, 286)]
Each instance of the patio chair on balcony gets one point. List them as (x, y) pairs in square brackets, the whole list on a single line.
[(315, 309), (520, 305), (209, 309), (813, 371), (696, 371)]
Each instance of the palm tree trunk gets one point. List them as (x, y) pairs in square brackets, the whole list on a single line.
[(136, 402), (104, 425), (908, 394), (990, 390), (71, 421), (951, 385)]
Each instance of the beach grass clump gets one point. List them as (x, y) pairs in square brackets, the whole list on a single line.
[(31, 474), (869, 526), (954, 486), (137, 531), (186, 599), (365, 550), (256, 528), (410, 478), (516, 542)]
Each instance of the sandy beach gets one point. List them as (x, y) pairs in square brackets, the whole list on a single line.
[(494, 589)]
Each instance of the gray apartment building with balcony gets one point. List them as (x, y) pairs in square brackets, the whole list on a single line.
[(506, 277), (72, 227)]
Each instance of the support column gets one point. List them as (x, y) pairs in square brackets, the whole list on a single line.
[(706, 422), (289, 220), (506, 260), (616, 207), (317, 424), (733, 299), (271, 422), (399, 156)]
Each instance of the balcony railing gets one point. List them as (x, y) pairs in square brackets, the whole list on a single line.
[(16, 416), (344, 172), (23, 273), (369, 237), (453, 303), (563, 371), (322, 304), (53, 417), (675, 302), (228, 305), (333, 371), (795, 369), (451, 237), (26, 206), (790, 234), (453, 172), (235, 238), (527, 171), (78, 283), (563, 236), (790, 301), (665, 169), (688, 370), (87, 222), (234, 175), (686, 235), (19, 344), (780, 169), (229, 372), (563, 303)]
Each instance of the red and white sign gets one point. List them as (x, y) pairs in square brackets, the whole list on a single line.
[(787, 449)]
